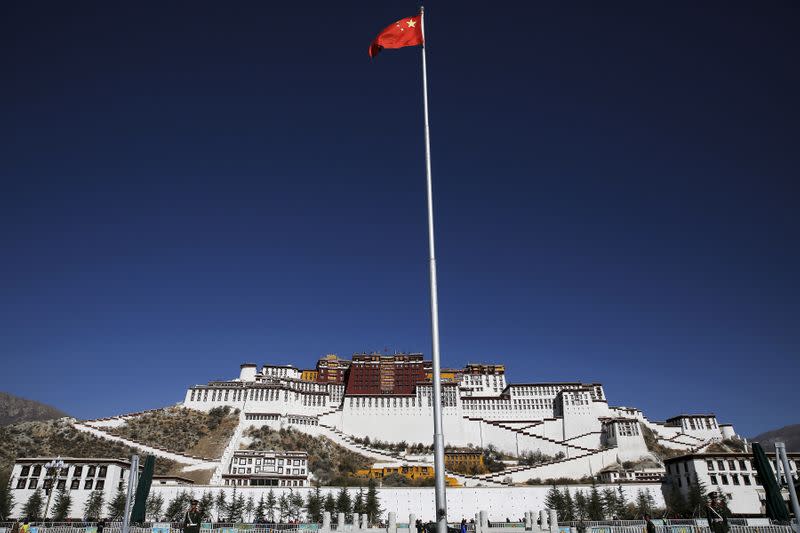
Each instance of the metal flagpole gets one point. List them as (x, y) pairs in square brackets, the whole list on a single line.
[(438, 439)]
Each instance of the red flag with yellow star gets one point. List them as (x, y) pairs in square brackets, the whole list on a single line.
[(404, 32)]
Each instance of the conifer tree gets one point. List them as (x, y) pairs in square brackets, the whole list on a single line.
[(283, 507), (372, 504), (358, 503), (33, 507), (344, 504), (697, 500), (6, 499), (249, 507), (153, 507), (581, 505), (676, 503), (330, 505), (94, 506), (609, 499), (569, 506), (314, 505), (595, 504), (207, 505), (260, 509), (270, 506), (555, 500), (221, 504), (296, 505), (62, 505), (116, 507), (621, 510)]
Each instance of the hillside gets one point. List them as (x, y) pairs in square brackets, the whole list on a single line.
[(328, 462), (58, 437), (183, 430), (14, 409), (788, 434)]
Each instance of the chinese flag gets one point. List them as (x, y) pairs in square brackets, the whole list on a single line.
[(404, 32)]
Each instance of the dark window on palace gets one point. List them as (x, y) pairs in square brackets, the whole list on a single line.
[(746, 479), (735, 478), (25, 470), (33, 483), (74, 484), (77, 472), (742, 465), (100, 484), (710, 465), (88, 484), (720, 465), (731, 464), (724, 479), (21, 483), (713, 479), (102, 471), (37, 470), (62, 484), (90, 471)]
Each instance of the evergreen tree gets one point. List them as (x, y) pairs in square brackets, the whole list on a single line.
[(330, 505), (260, 509), (249, 507), (296, 505), (555, 500), (569, 506), (609, 499), (372, 504), (621, 510), (221, 505), (6, 499), (177, 507), (642, 505), (93, 506), (270, 506), (314, 505), (697, 498), (206, 505), (595, 504), (651, 502), (676, 503), (344, 504), (358, 503), (236, 507), (581, 505), (283, 507), (62, 505), (153, 507), (33, 507), (116, 507)]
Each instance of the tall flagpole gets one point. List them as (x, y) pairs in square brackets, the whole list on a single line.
[(438, 439)]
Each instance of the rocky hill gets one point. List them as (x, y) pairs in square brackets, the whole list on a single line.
[(788, 434), (14, 409), (58, 437)]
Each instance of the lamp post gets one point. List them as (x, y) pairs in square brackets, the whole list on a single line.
[(55, 465)]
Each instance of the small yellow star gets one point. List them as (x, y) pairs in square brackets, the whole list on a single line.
[(411, 23)]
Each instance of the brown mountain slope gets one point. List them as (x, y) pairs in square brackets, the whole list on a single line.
[(788, 434), (14, 409)]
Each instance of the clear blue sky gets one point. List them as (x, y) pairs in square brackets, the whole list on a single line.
[(190, 185)]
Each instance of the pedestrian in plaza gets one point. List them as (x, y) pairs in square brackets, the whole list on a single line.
[(581, 527), (650, 527), (192, 518), (463, 525)]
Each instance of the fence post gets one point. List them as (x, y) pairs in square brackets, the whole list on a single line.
[(484, 521), (326, 522), (392, 522), (340, 522), (553, 521), (528, 521), (364, 521), (543, 519), (412, 524)]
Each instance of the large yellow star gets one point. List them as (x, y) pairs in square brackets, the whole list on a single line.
[(411, 23)]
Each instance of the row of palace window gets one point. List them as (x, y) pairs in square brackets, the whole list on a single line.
[(258, 470), (77, 471), (75, 484)]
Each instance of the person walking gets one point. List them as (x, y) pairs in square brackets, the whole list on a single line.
[(463, 525), (581, 527), (192, 518), (650, 527)]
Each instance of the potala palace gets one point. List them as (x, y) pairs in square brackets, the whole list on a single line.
[(570, 426), (388, 397)]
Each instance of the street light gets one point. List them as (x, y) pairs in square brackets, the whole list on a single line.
[(55, 465)]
